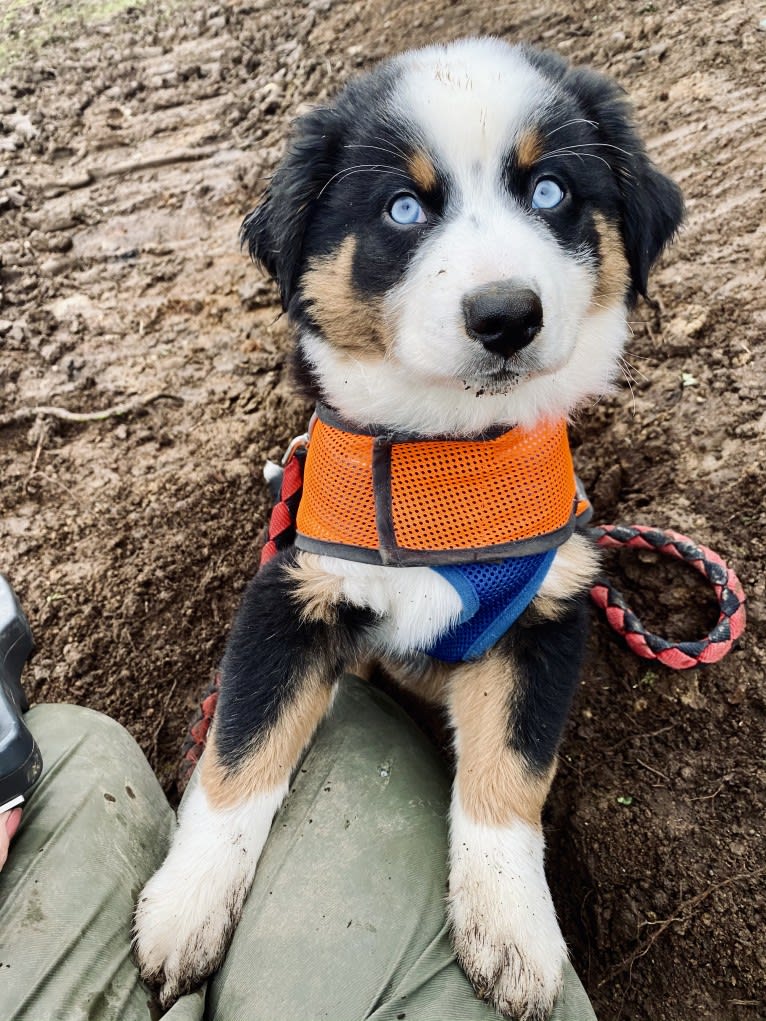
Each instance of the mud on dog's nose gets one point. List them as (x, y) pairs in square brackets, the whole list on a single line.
[(503, 316)]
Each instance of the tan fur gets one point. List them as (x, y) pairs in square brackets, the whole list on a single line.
[(612, 282), (495, 783), (426, 678), (317, 592), (529, 148), (422, 171), (574, 569), (272, 759), (347, 319)]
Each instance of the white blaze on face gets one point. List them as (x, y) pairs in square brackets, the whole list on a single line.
[(470, 119), (471, 99)]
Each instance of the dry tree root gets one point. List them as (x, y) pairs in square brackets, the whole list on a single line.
[(676, 916), (116, 410)]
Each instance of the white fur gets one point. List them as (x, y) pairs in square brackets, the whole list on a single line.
[(504, 924), (416, 605), (188, 909), (388, 394), (471, 99)]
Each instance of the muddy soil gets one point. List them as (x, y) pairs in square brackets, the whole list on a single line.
[(132, 141)]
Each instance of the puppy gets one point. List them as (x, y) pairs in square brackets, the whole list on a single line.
[(457, 240)]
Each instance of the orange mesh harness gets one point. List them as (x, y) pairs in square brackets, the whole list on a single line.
[(412, 501)]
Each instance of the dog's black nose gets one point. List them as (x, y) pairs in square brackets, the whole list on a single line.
[(503, 316)]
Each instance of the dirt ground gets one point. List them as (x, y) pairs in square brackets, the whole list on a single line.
[(132, 141)]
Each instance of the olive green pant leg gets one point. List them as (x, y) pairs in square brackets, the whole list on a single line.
[(94, 831), (346, 917)]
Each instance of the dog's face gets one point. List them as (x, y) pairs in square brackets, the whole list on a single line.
[(459, 236)]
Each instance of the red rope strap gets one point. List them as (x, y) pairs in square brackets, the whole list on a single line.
[(725, 583), (281, 533)]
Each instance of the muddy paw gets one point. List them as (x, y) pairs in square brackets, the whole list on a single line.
[(183, 926), (504, 927), (187, 912), (507, 975)]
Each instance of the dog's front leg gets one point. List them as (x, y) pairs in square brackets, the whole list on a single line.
[(508, 711), (286, 650)]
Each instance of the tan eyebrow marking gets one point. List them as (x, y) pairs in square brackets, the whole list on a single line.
[(529, 148), (422, 170)]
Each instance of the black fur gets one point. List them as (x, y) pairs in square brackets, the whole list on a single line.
[(269, 651), (274, 231), (547, 657), (322, 145), (322, 191)]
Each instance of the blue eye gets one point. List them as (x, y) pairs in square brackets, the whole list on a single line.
[(547, 194), (406, 210)]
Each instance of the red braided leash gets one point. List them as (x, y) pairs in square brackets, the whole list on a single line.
[(196, 738), (677, 655), (281, 533), (725, 583)]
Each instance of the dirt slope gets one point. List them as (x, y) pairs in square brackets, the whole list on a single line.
[(130, 148)]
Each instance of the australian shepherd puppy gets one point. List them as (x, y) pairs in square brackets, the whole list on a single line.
[(457, 239)]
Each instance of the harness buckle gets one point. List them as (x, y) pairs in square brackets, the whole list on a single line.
[(299, 441), (295, 443), (273, 472)]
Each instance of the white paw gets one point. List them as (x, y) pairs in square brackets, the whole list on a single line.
[(187, 912), (504, 927)]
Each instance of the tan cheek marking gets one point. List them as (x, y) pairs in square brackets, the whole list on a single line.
[(494, 782), (573, 570), (530, 148), (347, 319), (612, 282), (422, 171), (317, 592), (273, 757)]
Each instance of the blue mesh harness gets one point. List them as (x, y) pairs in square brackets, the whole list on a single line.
[(494, 596)]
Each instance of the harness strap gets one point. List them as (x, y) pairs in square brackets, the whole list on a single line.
[(421, 501)]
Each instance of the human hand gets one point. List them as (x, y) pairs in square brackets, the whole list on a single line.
[(9, 823)]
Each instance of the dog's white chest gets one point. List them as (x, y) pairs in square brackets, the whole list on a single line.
[(415, 604)]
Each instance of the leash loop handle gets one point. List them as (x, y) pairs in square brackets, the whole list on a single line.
[(725, 583)]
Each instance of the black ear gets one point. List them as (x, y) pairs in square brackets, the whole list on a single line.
[(651, 205), (274, 231), (653, 209)]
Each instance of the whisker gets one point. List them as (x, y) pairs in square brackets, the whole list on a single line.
[(629, 380), (576, 120), (609, 308), (599, 145), (635, 369), (579, 155), (380, 168), (395, 147), (380, 148)]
